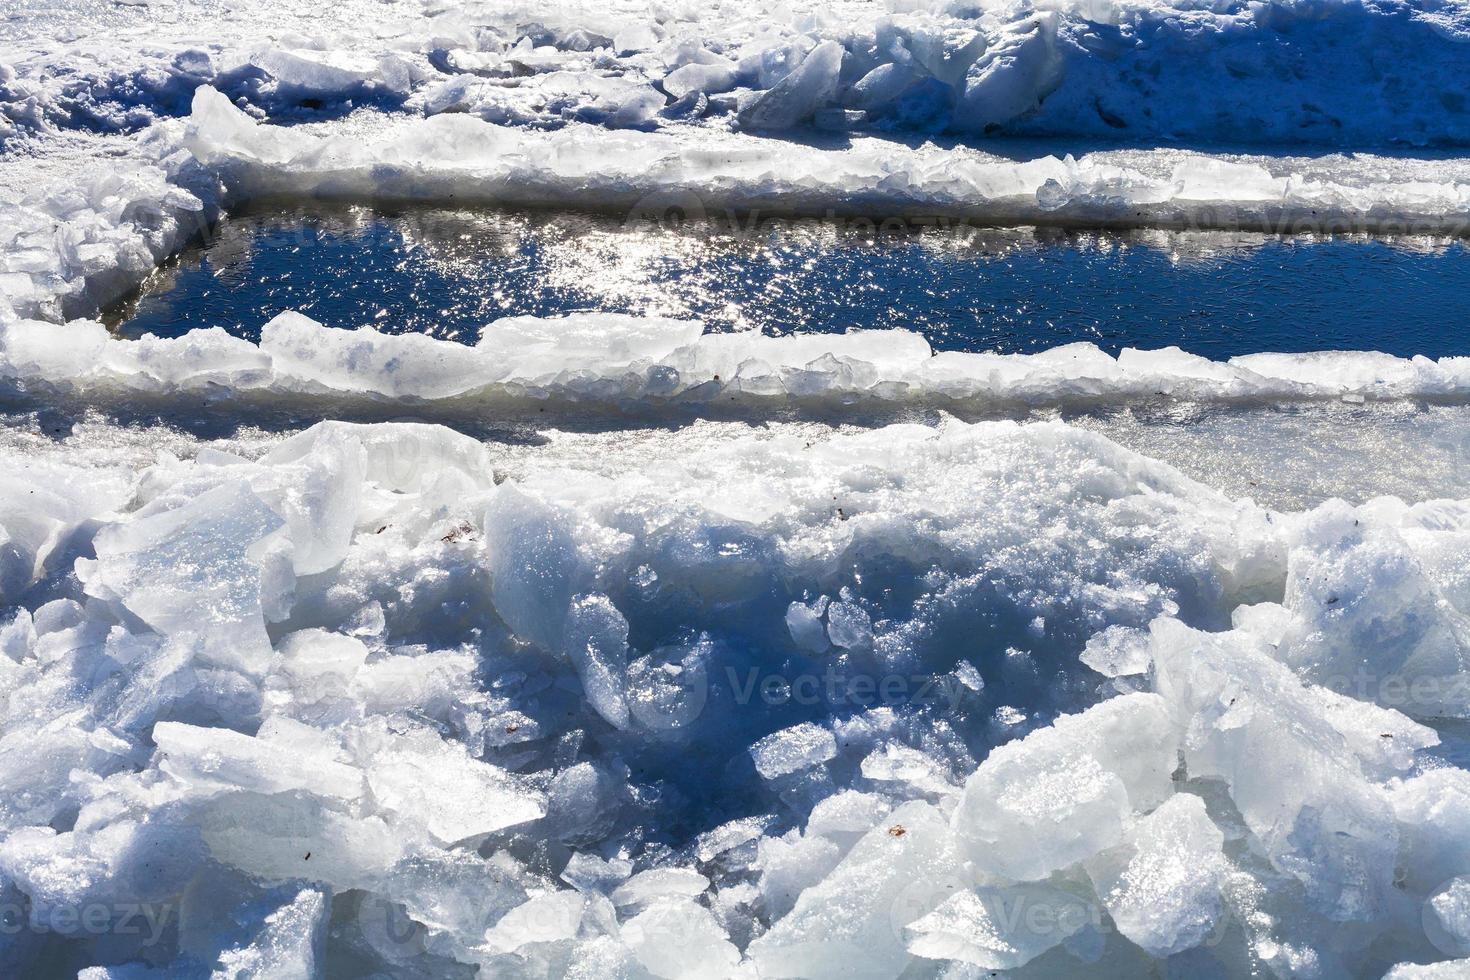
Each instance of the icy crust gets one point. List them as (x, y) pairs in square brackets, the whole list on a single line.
[(364, 700), (647, 175), (610, 361), (1345, 72)]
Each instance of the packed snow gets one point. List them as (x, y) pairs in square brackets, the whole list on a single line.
[(616, 646)]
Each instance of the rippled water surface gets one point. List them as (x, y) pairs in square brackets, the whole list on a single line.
[(447, 273)]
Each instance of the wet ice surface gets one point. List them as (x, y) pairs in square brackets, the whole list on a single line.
[(1292, 457), (968, 288)]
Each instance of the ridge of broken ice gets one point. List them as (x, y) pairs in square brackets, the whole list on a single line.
[(615, 361), (463, 159), (67, 249), (1346, 72), (464, 697)]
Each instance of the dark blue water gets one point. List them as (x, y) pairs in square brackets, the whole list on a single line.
[(447, 273)]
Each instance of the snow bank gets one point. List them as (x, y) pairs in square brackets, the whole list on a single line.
[(120, 85), (615, 361), (767, 704)]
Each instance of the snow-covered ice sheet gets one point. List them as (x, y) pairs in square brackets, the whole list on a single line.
[(466, 160)]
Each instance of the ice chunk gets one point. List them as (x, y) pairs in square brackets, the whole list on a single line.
[(589, 873), (1019, 69), (428, 780), (541, 348), (792, 750), (881, 86), (730, 836), (331, 74), (849, 625), (1447, 917), (289, 945), (582, 803), (314, 669), (52, 350), (1162, 887), (285, 837), (532, 559), (549, 917), (849, 812), (806, 629), (916, 770), (319, 498), (679, 940), (1249, 719), (46, 511), (403, 457), (1064, 793), (1372, 623), (647, 887), (709, 78), (796, 97), (205, 756), (850, 925), (998, 928), (791, 864), (1118, 651), (597, 642), (365, 360), (1433, 813), (194, 570), (669, 688)]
